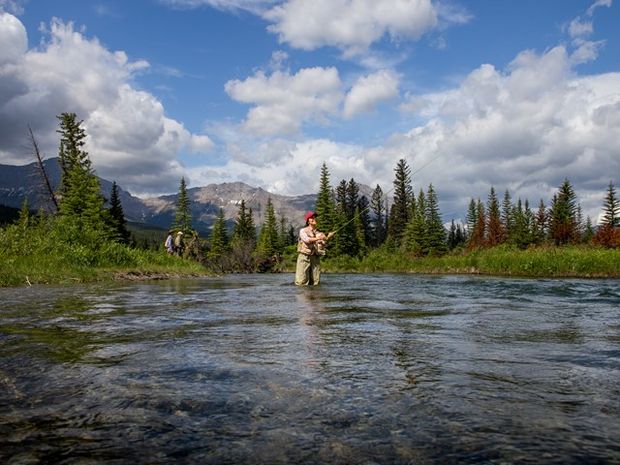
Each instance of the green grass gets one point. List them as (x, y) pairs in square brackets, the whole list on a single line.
[(45, 254), (49, 251), (536, 262)]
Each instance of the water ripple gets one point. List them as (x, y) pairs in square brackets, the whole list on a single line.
[(364, 369)]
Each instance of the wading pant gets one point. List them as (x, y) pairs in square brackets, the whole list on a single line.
[(308, 271)]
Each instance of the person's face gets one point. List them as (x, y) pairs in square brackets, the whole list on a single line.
[(312, 222)]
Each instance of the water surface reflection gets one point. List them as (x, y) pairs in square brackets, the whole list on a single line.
[(363, 369)]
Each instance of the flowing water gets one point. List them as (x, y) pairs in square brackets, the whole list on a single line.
[(364, 369)]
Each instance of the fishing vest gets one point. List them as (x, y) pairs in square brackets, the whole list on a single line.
[(306, 249)]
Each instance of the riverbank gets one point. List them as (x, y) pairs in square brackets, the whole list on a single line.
[(543, 262), (132, 265), (123, 263)]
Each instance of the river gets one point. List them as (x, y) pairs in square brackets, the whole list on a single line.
[(363, 369)]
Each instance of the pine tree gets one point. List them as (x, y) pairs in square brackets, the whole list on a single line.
[(282, 234), (244, 229), (506, 215), (452, 235), (377, 220), (117, 217), (218, 243), (461, 236), (477, 236), (563, 217), (355, 227), (435, 231), (268, 238), (472, 217), (324, 203), (183, 213), (363, 208), (540, 223), (415, 236), (358, 228), (243, 240), (345, 242), (495, 232), (611, 208), (401, 205), (523, 218), (82, 204), (352, 198), (608, 233), (71, 153), (579, 224)]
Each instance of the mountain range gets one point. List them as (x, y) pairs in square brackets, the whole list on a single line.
[(18, 183)]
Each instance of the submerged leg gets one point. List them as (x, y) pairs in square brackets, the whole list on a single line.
[(315, 263), (302, 271)]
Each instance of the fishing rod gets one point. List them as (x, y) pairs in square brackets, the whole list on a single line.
[(386, 194)]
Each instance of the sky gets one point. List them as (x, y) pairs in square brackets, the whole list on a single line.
[(472, 94)]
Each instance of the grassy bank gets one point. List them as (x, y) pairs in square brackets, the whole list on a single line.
[(587, 262), (41, 254)]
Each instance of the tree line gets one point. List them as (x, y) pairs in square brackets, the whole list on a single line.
[(404, 222), (397, 221)]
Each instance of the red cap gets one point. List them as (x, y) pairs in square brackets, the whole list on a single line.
[(309, 215)]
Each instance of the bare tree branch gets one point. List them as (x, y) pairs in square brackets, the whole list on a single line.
[(46, 179)]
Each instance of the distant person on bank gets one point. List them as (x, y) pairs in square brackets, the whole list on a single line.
[(169, 244), (178, 243), (310, 247)]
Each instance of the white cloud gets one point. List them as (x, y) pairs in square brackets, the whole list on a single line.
[(13, 38), (12, 6), (579, 28), (370, 90), (253, 6), (278, 58), (597, 4), (585, 51), (523, 130), (294, 170), (283, 101), (350, 25), (130, 138)]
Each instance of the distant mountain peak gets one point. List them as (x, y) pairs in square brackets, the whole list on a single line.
[(20, 182)]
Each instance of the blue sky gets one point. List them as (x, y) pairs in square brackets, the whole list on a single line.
[(473, 94)]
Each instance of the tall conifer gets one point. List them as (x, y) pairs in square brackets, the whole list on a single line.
[(325, 202), (268, 238), (117, 216), (401, 205), (540, 223), (378, 214), (415, 239), (495, 232), (611, 208), (244, 229), (435, 231), (477, 236), (183, 213), (506, 215), (563, 217), (218, 243), (82, 203)]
